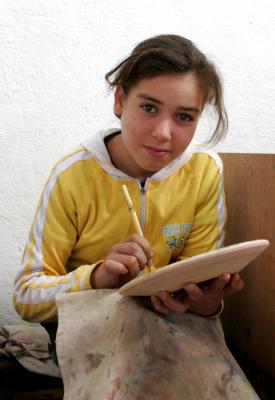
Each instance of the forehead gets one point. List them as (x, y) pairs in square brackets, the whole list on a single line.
[(175, 89)]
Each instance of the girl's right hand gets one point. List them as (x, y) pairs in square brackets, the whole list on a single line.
[(122, 263)]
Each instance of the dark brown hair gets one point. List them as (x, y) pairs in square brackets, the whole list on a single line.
[(172, 54)]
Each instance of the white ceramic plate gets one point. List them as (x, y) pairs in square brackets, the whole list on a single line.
[(195, 269)]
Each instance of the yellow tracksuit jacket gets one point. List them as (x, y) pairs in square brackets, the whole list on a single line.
[(82, 213)]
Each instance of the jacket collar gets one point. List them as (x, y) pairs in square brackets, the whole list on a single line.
[(96, 146)]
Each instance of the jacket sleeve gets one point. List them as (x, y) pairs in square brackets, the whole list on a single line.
[(208, 227), (52, 237)]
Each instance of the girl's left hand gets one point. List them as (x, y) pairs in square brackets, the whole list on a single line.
[(201, 300)]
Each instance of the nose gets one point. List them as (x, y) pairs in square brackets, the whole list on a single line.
[(162, 131)]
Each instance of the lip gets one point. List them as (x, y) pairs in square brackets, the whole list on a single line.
[(157, 151)]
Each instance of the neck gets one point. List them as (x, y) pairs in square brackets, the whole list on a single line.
[(122, 160)]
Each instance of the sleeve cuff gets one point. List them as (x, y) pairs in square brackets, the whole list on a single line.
[(84, 272)]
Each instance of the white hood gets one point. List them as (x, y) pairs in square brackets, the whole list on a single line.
[(96, 146)]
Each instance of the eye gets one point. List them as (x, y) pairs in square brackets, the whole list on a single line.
[(185, 117), (149, 108)]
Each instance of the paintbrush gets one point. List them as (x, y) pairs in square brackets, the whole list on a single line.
[(149, 267)]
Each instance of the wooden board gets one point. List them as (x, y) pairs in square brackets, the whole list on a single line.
[(195, 269), (249, 317)]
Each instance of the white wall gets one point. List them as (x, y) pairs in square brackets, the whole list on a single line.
[(53, 58)]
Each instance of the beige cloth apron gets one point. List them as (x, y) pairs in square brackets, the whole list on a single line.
[(111, 347)]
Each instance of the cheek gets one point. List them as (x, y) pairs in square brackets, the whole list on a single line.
[(129, 134), (128, 122), (133, 130), (184, 138)]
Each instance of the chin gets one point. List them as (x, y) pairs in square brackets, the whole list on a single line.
[(153, 169)]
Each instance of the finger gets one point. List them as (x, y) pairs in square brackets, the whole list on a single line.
[(159, 306), (193, 291), (107, 274), (236, 280), (172, 304), (235, 285), (130, 249), (115, 267), (144, 244), (218, 284), (130, 263)]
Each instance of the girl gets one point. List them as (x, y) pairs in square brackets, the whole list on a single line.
[(82, 236)]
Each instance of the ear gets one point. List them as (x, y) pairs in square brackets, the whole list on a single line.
[(118, 104)]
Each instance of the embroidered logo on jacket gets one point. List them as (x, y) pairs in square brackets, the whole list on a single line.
[(177, 234)]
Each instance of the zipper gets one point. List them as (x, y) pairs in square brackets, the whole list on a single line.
[(142, 203)]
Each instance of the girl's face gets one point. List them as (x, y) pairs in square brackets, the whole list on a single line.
[(159, 117)]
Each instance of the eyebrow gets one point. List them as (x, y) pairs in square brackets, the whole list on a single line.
[(149, 98)]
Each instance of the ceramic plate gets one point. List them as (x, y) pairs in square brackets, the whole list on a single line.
[(195, 269)]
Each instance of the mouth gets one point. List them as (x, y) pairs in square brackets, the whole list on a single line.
[(157, 151)]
